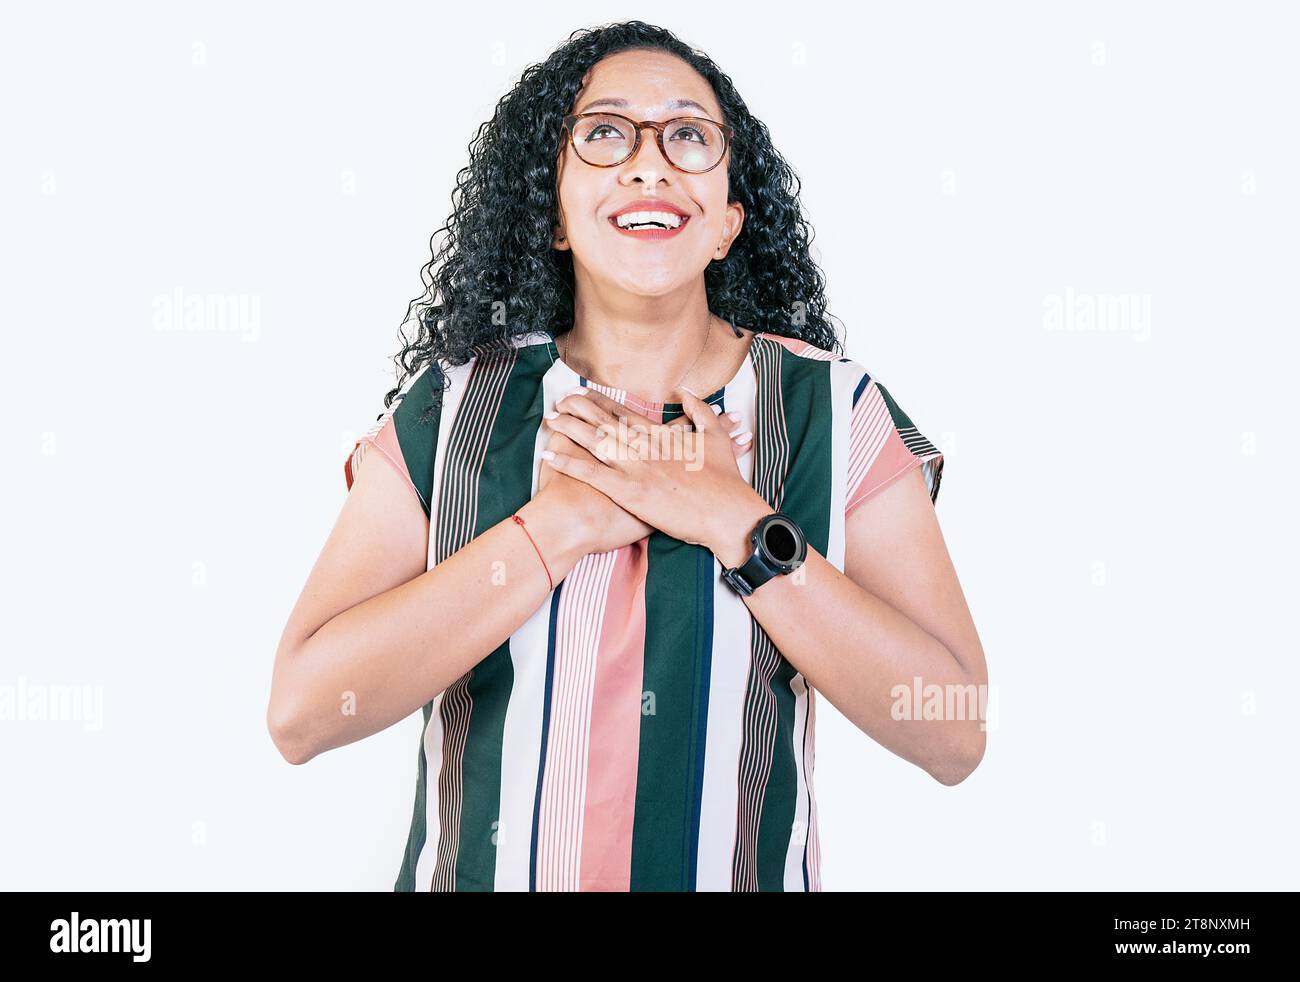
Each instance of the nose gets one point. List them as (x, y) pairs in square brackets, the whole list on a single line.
[(647, 162)]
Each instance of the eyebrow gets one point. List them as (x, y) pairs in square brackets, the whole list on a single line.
[(623, 104)]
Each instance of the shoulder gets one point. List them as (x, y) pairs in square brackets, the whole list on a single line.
[(766, 342), (884, 440), (413, 415), (440, 394), (405, 432), (806, 360), (845, 379)]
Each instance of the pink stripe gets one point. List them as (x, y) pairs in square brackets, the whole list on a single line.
[(564, 785), (616, 728), (382, 434), (868, 430), (893, 459), (654, 411)]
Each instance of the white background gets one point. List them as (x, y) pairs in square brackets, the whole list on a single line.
[(1117, 499)]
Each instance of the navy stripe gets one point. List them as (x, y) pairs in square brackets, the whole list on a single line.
[(704, 644), (861, 386), (546, 732)]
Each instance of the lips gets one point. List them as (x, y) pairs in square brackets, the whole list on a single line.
[(649, 204), (648, 232)]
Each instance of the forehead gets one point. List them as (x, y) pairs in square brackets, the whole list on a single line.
[(645, 84)]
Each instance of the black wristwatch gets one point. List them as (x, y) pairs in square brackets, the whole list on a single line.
[(779, 549)]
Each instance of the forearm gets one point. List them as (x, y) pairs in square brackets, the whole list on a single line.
[(377, 662), (857, 650)]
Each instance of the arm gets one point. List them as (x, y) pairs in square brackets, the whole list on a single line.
[(373, 622), (898, 614)]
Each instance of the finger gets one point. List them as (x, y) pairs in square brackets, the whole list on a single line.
[(607, 441), (591, 472), (701, 412), (621, 432), (576, 402), (575, 428), (612, 407), (561, 443)]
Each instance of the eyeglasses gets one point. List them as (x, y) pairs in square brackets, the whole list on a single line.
[(694, 144)]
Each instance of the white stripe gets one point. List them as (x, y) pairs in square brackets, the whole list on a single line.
[(433, 768), (521, 750), (521, 738), (845, 377), (732, 626), (793, 880), (814, 844)]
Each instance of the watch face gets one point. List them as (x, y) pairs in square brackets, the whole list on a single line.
[(782, 540)]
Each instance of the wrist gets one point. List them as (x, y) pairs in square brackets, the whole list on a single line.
[(556, 535), (730, 539)]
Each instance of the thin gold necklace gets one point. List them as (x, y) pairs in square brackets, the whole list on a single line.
[(708, 331)]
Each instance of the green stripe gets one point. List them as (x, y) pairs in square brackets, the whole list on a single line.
[(914, 440), (806, 495), (504, 486), (417, 437), (415, 837), (673, 687)]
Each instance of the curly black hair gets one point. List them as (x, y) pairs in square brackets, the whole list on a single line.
[(497, 276)]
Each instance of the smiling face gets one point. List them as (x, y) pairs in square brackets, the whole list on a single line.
[(644, 85)]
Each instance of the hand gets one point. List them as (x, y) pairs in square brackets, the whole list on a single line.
[(602, 524), (607, 525), (680, 480)]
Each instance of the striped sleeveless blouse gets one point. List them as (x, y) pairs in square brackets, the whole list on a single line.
[(639, 731)]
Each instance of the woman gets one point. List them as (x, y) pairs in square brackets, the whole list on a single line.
[(628, 372)]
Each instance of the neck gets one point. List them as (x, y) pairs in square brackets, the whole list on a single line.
[(652, 357)]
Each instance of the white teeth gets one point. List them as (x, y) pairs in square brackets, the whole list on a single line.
[(664, 218)]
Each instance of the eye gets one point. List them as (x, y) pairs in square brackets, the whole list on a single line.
[(600, 127), (691, 131)]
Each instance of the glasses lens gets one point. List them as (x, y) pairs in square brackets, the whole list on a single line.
[(692, 144), (603, 140)]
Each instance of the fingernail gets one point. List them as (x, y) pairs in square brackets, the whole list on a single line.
[(548, 454), (579, 391), (745, 437), (735, 416), (717, 410), (552, 414)]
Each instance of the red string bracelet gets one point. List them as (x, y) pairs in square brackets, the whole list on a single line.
[(520, 521)]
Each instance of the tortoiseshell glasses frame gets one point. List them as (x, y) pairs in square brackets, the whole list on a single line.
[(658, 127)]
